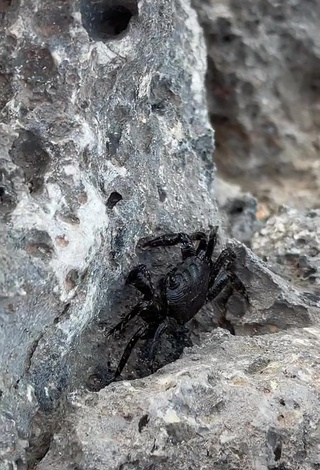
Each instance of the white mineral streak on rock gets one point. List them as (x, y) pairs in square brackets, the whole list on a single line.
[(144, 86), (82, 237), (78, 319)]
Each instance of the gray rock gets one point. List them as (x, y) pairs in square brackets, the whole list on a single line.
[(263, 88), (290, 244), (238, 211), (235, 402), (104, 140), (273, 303)]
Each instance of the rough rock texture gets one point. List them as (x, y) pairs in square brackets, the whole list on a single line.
[(233, 403), (238, 211), (104, 139), (263, 93), (274, 305), (290, 244)]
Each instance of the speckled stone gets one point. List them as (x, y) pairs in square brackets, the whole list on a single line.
[(233, 403), (104, 139), (263, 95), (290, 244)]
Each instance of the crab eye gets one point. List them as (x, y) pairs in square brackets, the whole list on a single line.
[(173, 282)]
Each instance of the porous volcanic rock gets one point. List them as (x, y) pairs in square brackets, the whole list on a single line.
[(238, 211), (263, 87), (290, 245), (104, 139), (232, 403)]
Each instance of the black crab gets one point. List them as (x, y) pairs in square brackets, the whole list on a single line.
[(181, 293)]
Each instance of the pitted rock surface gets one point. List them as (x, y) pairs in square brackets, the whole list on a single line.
[(290, 244), (104, 140), (263, 95), (274, 303), (238, 211), (234, 402)]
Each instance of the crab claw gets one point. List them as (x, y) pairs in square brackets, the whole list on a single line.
[(138, 274)]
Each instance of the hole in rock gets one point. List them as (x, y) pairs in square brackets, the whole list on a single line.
[(277, 451), (107, 19), (143, 422), (99, 379), (236, 208), (20, 465), (72, 279), (6, 91), (5, 5), (162, 193), (274, 440), (63, 314), (38, 447), (228, 38), (38, 244), (28, 153), (2, 194), (7, 193), (113, 199)]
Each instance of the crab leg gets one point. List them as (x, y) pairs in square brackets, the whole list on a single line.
[(172, 239), (225, 259), (218, 287), (238, 285), (126, 354), (155, 341), (213, 238), (140, 278), (140, 307)]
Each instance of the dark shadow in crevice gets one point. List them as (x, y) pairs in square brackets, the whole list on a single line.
[(107, 19), (113, 199)]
